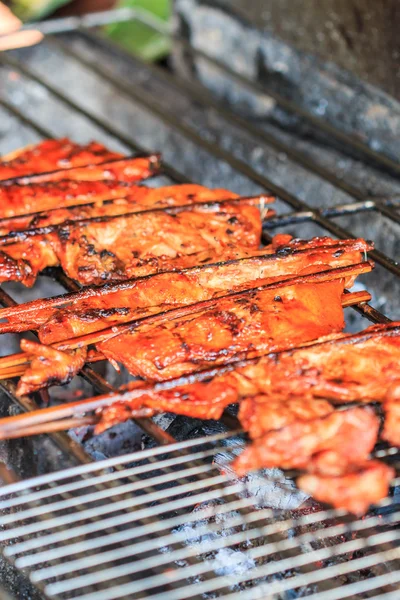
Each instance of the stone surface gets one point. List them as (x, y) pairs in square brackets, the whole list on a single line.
[(320, 87), (360, 36)]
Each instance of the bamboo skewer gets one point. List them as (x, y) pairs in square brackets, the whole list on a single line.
[(54, 426)]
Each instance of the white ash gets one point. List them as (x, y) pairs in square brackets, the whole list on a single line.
[(224, 561), (269, 487)]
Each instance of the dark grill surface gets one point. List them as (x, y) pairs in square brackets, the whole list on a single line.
[(165, 522)]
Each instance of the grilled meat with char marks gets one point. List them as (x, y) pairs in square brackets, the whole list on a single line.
[(52, 155), (364, 484), (91, 310), (328, 444), (117, 248), (243, 324), (60, 367), (111, 180), (231, 328), (319, 370), (42, 203), (263, 412)]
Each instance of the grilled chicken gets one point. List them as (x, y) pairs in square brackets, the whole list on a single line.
[(91, 310), (223, 330), (116, 248), (230, 328), (52, 155), (120, 169), (364, 484), (391, 406), (328, 444), (86, 200), (59, 366), (319, 370), (263, 412), (112, 180)]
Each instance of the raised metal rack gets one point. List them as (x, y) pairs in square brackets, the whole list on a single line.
[(130, 526)]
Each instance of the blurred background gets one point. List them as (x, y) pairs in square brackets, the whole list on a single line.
[(135, 37), (360, 36)]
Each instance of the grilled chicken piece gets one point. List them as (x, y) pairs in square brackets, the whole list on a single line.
[(111, 180), (319, 370), (197, 400), (84, 200), (222, 330), (116, 248), (391, 406), (91, 310), (361, 367), (230, 328), (51, 155), (365, 484), (328, 445), (60, 366), (120, 169), (262, 413)]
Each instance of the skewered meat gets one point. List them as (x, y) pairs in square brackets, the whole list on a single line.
[(84, 200), (262, 413), (116, 248), (91, 310), (355, 491), (391, 428), (59, 366), (332, 371), (120, 169), (218, 331), (111, 180), (51, 155), (252, 322), (319, 370), (329, 444)]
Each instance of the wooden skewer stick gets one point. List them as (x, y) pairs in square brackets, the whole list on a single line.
[(23, 359), (15, 364), (62, 425)]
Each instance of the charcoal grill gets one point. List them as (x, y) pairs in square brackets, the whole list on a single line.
[(166, 522)]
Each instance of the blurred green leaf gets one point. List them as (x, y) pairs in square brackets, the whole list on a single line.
[(31, 10), (139, 38)]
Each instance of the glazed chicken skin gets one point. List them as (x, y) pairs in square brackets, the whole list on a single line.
[(63, 189), (52, 155), (219, 331), (328, 444), (120, 169), (90, 199), (262, 413), (319, 370), (60, 366), (364, 484), (230, 328), (122, 247), (77, 314)]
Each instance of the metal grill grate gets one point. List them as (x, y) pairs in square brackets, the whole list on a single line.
[(162, 523), (165, 523)]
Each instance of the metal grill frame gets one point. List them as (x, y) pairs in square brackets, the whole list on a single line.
[(300, 212)]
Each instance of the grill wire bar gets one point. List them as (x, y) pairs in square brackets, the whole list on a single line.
[(65, 530), (194, 517)]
